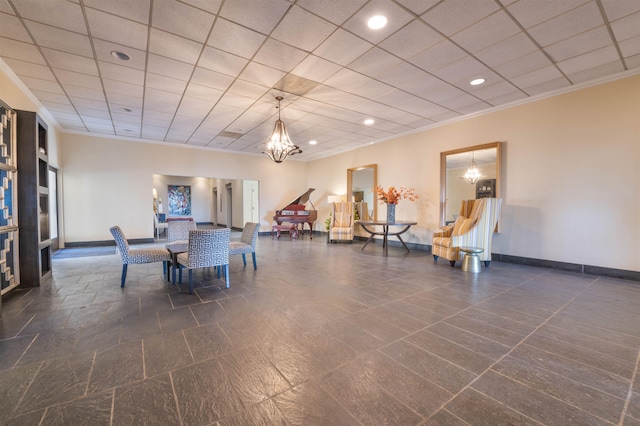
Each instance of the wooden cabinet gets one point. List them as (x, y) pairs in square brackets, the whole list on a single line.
[(33, 199)]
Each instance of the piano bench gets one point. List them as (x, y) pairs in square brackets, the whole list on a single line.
[(292, 228)]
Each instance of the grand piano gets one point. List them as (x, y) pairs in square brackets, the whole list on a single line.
[(296, 212)]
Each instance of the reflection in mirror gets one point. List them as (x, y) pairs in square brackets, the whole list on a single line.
[(361, 183), (454, 187)]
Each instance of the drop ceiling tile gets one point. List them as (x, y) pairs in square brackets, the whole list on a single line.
[(596, 72), (65, 116), (411, 40), (235, 39), (211, 79), (95, 113), (463, 69), (616, 9), (236, 101), (404, 76), (117, 30), (175, 47), (452, 16), (375, 62), (167, 84), (529, 13), (181, 19), (342, 47), (89, 103), (261, 74), (202, 92), (303, 30), (154, 133), (580, 44), (54, 107), (43, 85), (19, 50), (11, 27), (445, 116), (548, 86), (122, 99), (152, 96), (51, 97), (65, 15), (470, 109), (195, 107), (126, 118), (438, 56), (248, 89), (4, 7), (103, 50), (630, 47), (157, 118), (278, 55), (346, 79), (418, 6), (507, 50), (372, 89), (627, 27), (78, 79), (121, 73), (137, 10), (260, 15), (632, 61), (336, 11), (423, 108), (396, 16), (567, 25), (28, 69), (315, 68), (493, 91), (506, 98), (435, 90), (589, 60), (62, 40), (491, 30), (221, 61), (169, 67), (211, 6), (120, 87), (530, 62)]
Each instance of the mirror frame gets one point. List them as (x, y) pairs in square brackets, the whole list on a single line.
[(443, 173), (375, 184)]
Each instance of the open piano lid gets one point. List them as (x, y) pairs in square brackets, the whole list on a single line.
[(302, 200)]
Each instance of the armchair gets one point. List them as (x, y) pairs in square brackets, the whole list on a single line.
[(341, 225), (207, 247), (247, 243), (132, 256), (474, 227)]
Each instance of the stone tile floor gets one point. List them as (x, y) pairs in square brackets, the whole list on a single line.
[(321, 335)]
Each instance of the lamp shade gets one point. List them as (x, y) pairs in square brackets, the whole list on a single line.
[(334, 199)]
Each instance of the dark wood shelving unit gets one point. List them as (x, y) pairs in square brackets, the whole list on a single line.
[(33, 199)]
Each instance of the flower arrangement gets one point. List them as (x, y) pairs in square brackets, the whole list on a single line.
[(393, 195)]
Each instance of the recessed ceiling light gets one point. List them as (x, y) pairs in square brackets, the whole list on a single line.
[(313, 142), (477, 81), (125, 109), (377, 22), (369, 121), (120, 55)]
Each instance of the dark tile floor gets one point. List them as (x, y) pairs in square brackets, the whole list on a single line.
[(321, 335)]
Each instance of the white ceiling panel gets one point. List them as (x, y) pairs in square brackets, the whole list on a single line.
[(197, 68), (302, 29), (137, 10), (336, 11), (117, 30), (233, 38)]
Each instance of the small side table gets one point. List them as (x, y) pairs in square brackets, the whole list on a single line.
[(471, 261)]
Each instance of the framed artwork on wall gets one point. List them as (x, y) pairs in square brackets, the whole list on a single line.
[(179, 200)]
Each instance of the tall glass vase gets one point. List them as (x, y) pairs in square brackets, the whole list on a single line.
[(391, 213)]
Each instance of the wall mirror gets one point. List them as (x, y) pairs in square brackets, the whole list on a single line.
[(454, 187), (361, 184)]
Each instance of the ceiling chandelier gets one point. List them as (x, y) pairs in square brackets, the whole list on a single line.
[(279, 145), (473, 174)]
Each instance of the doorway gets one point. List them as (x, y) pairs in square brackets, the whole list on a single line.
[(214, 217), (53, 208), (229, 205)]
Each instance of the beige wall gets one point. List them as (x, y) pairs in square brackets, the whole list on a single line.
[(571, 185)]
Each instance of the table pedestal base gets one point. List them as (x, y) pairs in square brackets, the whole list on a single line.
[(471, 261)]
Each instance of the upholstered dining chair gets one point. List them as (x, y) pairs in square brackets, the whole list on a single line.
[(178, 230), (473, 228), (207, 247), (341, 225), (137, 256), (247, 243), (159, 226)]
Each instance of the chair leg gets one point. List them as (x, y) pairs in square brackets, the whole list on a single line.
[(435, 257), (180, 274), (452, 263), (486, 263), (244, 259), (124, 275), (255, 265), (190, 281), (226, 274)]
